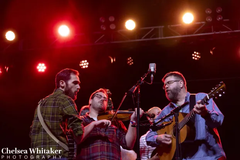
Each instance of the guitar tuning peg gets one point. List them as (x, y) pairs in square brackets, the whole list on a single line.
[(223, 92), (216, 97), (220, 95)]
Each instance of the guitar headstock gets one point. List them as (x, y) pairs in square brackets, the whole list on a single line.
[(217, 91)]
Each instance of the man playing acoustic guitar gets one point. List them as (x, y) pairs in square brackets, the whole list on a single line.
[(204, 117)]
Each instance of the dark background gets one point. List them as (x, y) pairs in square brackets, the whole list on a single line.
[(22, 86)]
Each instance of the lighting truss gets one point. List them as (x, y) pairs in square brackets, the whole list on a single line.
[(176, 31), (154, 33)]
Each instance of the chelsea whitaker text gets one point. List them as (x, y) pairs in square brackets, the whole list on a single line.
[(31, 151)]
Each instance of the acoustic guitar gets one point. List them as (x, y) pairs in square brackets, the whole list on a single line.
[(166, 152)]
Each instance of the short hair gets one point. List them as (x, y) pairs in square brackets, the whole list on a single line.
[(84, 110), (176, 74), (154, 107), (99, 90), (64, 75)]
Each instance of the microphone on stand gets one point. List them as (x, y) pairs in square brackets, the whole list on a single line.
[(152, 69)]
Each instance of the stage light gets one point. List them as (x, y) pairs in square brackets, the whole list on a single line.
[(84, 64), (113, 59), (10, 35), (219, 17), (107, 24), (209, 19), (103, 27), (208, 11), (111, 18), (41, 67), (129, 61), (6, 68), (130, 24), (102, 19), (112, 26), (216, 16), (219, 10), (188, 18), (196, 55), (64, 30)]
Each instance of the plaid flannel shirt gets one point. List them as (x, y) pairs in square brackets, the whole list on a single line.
[(60, 113), (103, 143)]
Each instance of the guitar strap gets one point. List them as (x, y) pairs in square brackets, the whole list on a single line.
[(44, 125), (192, 101)]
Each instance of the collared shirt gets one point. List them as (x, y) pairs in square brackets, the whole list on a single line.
[(207, 143), (145, 150), (103, 143), (59, 112)]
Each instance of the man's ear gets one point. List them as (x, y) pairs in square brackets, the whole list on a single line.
[(62, 84), (90, 102), (182, 84)]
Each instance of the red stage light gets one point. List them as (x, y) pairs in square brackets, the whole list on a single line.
[(64, 30), (41, 67)]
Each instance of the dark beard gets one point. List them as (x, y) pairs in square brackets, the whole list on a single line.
[(173, 95), (68, 92)]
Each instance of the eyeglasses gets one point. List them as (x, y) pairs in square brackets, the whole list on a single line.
[(170, 82), (100, 97)]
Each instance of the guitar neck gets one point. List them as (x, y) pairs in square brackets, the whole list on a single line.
[(186, 119), (191, 113)]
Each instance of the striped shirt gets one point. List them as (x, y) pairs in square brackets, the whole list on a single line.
[(145, 150), (59, 112)]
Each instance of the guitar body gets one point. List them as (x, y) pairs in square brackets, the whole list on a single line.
[(166, 152)]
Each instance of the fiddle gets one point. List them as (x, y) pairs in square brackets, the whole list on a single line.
[(123, 115)]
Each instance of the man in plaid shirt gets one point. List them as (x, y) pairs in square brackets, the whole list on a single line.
[(103, 143), (59, 112)]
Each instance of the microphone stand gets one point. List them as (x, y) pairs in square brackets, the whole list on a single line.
[(132, 91)]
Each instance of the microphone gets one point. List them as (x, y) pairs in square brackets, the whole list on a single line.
[(152, 69)]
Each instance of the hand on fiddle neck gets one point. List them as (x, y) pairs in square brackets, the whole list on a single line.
[(134, 115)]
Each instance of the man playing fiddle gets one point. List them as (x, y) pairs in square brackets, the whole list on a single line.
[(103, 143)]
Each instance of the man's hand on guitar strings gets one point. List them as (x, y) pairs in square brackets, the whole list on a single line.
[(164, 138), (200, 108)]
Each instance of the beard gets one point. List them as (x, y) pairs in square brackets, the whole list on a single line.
[(172, 95), (69, 93)]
